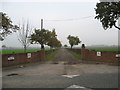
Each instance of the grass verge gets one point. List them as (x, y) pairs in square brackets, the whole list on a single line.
[(51, 55), (78, 56)]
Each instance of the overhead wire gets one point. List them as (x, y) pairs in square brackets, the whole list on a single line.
[(69, 19)]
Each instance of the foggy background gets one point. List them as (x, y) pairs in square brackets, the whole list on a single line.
[(68, 18)]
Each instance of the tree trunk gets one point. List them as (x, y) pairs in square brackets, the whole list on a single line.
[(50, 48), (71, 46), (42, 46)]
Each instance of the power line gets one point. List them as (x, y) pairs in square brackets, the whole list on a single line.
[(70, 19)]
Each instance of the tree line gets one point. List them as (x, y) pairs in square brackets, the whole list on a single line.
[(27, 35)]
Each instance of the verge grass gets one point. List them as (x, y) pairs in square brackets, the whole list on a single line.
[(76, 55), (51, 55)]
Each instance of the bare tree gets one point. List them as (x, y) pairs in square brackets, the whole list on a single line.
[(23, 35)]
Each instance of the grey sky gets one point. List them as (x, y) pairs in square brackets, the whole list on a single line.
[(89, 30)]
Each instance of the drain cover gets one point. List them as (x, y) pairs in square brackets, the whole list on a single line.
[(12, 74)]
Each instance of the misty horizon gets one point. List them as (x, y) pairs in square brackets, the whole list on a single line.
[(77, 19)]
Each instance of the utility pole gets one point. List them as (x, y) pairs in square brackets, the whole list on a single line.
[(41, 24)]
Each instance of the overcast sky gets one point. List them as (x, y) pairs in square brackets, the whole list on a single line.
[(81, 23)]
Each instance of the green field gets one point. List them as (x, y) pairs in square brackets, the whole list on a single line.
[(106, 48), (10, 51)]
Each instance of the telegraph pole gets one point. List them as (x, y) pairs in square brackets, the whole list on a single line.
[(41, 24)]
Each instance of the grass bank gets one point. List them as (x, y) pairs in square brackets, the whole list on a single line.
[(51, 55), (76, 55)]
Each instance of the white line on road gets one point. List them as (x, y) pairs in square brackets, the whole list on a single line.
[(70, 76), (75, 86)]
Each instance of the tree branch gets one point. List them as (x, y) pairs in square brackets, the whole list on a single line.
[(116, 27)]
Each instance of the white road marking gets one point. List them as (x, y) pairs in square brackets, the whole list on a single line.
[(70, 76), (75, 86)]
